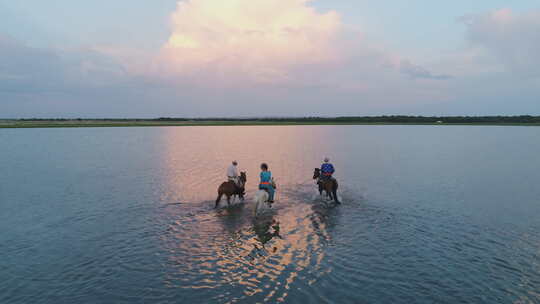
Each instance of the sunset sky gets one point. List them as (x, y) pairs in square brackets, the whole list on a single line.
[(192, 58)]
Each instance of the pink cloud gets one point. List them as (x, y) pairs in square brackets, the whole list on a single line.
[(240, 40)]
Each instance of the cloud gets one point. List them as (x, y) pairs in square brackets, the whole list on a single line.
[(63, 82), (28, 69), (274, 57), (241, 43), (512, 38), (247, 40), (278, 57), (416, 71)]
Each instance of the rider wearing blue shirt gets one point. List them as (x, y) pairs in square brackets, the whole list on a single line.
[(327, 169), (266, 182)]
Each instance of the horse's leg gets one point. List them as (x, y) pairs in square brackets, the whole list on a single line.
[(336, 199), (320, 188), (328, 191), (258, 204), (220, 194), (228, 199), (334, 191), (334, 194)]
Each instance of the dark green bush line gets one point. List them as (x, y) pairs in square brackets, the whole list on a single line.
[(522, 119)]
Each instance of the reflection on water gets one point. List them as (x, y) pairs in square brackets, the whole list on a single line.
[(429, 215), (262, 230), (260, 257)]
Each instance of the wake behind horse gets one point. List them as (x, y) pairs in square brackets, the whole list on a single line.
[(329, 185), (230, 189)]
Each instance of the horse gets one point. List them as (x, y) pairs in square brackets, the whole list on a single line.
[(261, 200), (231, 189), (329, 185)]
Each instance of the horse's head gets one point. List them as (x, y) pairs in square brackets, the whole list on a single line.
[(316, 173), (243, 180), (243, 177)]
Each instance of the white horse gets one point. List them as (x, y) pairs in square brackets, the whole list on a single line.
[(261, 202)]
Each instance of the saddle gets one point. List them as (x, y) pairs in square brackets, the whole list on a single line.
[(322, 180), (272, 183), (237, 188)]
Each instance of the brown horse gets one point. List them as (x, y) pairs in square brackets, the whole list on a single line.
[(230, 189), (329, 185)]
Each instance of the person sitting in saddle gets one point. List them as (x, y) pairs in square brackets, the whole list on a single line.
[(267, 182), (232, 174), (327, 169)]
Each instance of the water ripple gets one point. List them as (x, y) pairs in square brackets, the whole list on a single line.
[(139, 225)]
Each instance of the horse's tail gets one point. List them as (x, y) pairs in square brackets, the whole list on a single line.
[(328, 187)]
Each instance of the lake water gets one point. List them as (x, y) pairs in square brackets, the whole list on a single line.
[(430, 214)]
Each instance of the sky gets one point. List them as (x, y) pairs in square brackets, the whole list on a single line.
[(245, 58)]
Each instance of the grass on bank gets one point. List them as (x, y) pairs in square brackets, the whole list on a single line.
[(80, 123)]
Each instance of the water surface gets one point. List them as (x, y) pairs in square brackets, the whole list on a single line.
[(430, 214)]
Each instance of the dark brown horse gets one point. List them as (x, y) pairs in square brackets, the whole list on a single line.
[(330, 185), (231, 189)]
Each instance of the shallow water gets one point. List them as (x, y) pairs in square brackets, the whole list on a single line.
[(430, 214)]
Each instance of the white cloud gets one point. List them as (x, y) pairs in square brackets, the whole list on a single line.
[(247, 40), (282, 53), (273, 57), (241, 43)]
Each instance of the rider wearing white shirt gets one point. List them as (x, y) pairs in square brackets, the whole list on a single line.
[(232, 173)]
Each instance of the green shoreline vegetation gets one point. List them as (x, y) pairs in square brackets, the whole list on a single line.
[(523, 120)]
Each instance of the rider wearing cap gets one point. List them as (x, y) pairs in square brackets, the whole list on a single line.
[(327, 169), (232, 173), (266, 182)]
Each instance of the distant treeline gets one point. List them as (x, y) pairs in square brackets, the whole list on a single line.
[(522, 119)]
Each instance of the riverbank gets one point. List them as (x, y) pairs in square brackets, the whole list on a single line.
[(166, 122)]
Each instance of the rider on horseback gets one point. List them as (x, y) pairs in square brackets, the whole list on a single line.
[(325, 181), (266, 182), (327, 169)]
